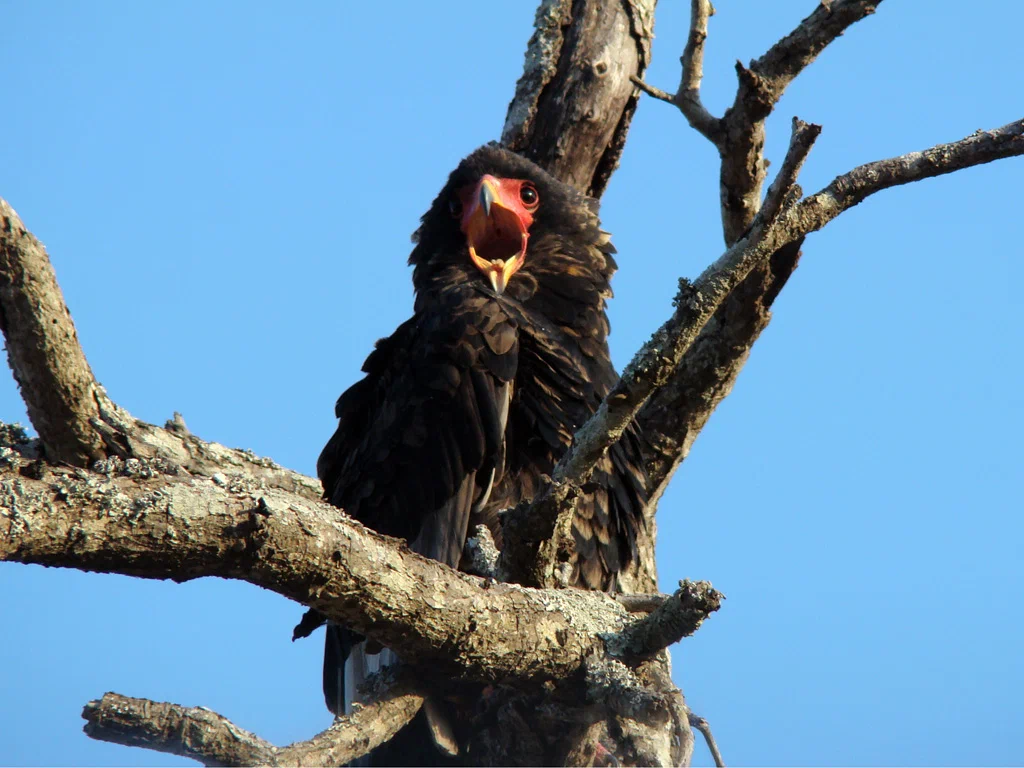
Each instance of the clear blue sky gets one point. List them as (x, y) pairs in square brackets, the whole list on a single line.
[(227, 192)]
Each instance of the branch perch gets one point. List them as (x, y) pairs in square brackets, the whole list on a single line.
[(181, 528)]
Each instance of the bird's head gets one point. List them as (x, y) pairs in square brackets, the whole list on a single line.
[(503, 220), (495, 215)]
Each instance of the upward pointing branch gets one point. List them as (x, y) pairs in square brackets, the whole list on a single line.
[(781, 222), (42, 348)]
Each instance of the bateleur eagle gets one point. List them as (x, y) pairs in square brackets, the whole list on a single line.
[(472, 400)]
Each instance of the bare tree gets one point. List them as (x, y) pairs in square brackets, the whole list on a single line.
[(102, 491)]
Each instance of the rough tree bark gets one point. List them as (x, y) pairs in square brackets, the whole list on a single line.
[(588, 681)]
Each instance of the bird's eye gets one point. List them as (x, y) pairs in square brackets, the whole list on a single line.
[(455, 207), (528, 194)]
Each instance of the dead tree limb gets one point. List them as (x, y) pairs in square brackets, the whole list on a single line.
[(43, 350), (697, 303), (153, 525), (164, 508), (149, 518), (677, 413), (677, 617), (575, 100), (212, 739), (687, 96)]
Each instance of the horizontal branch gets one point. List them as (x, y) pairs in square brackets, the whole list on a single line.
[(212, 739), (179, 527)]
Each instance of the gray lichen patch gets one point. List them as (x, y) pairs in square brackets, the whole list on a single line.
[(140, 469), (8, 456), (609, 679), (483, 553), (259, 461)]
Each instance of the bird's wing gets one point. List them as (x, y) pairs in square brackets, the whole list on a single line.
[(421, 438)]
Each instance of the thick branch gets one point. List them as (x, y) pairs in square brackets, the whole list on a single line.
[(42, 348), (574, 102), (212, 739), (76, 421), (181, 528)]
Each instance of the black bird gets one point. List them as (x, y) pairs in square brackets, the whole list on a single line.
[(472, 400)]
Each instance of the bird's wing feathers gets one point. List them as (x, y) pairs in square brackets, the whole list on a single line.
[(421, 438), (421, 441)]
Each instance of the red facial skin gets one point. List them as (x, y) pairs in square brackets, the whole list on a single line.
[(496, 222)]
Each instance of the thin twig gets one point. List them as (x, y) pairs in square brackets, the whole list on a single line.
[(785, 60), (847, 190), (688, 96), (702, 725), (650, 90)]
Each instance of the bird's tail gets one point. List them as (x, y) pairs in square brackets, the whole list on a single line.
[(347, 665), (337, 650)]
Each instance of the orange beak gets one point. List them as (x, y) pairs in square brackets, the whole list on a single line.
[(496, 230)]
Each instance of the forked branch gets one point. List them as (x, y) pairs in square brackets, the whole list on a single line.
[(687, 96), (697, 302)]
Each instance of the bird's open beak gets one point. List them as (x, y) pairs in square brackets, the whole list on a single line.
[(495, 232)]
